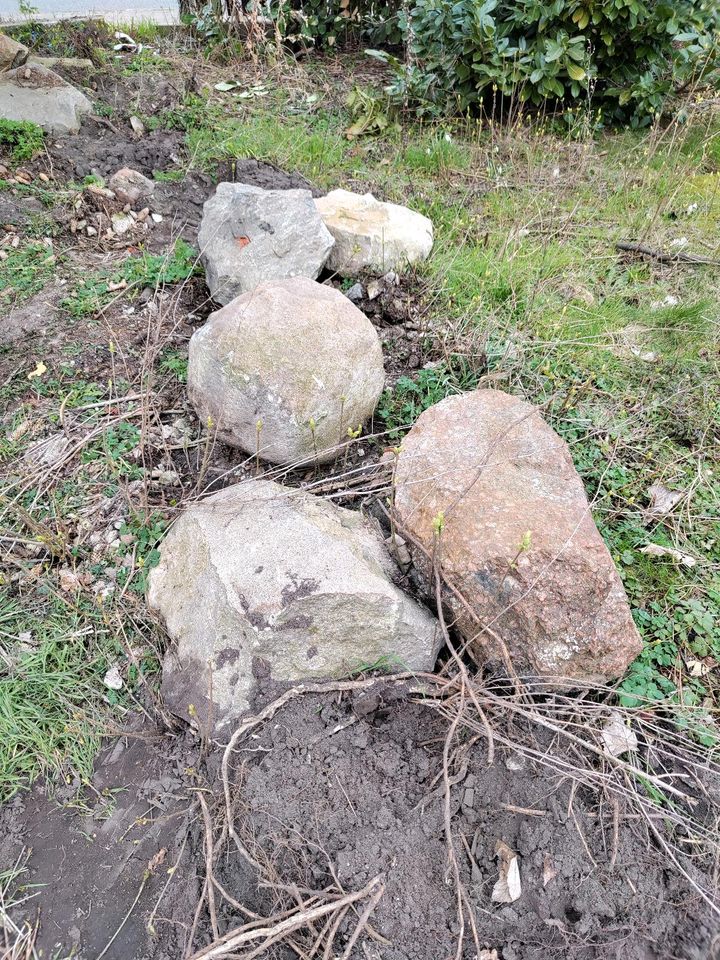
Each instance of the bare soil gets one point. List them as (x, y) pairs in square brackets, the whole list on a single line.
[(334, 791)]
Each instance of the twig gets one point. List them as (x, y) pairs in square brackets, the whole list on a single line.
[(362, 922), (661, 257), (146, 877), (208, 864), (241, 935)]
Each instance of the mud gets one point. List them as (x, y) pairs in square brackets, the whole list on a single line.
[(101, 148)]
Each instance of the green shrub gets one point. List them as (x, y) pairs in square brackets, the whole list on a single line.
[(20, 139), (624, 57)]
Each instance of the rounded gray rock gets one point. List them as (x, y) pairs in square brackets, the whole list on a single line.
[(286, 370)]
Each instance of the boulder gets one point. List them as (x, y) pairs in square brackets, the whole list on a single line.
[(286, 370), (12, 53), (263, 582), (250, 236), (37, 94), (130, 186), (518, 539), (372, 236)]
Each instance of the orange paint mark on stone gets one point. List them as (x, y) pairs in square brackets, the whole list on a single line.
[(242, 241)]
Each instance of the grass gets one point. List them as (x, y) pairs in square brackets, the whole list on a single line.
[(148, 270), (20, 140), (26, 270)]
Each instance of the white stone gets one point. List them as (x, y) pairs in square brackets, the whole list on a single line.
[(372, 236), (260, 580), (286, 370)]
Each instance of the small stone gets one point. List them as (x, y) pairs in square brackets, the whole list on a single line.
[(356, 293), (130, 186), (156, 217), (121, 223), (374, 289), (91, 231)]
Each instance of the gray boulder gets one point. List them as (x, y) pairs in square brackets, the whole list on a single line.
[(37, 94), (260, 581), (249, 236), (286, 370)]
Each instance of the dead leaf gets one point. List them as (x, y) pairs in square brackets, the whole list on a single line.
[(157, 860), (549, 870), (700, 668), (69, 582), (663, 500), (507, 888), (656, 550), (618, 738), (39, 370)]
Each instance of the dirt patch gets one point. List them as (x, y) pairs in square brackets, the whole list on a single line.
[(257, 173), (331, 793), (92, 854), (100, 149)]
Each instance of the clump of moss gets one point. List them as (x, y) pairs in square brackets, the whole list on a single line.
[(20, 139)]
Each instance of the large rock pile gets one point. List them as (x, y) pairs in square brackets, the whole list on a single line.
[(516, 538), (283, 371), (261, 582)]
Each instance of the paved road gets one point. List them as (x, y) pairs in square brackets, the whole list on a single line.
[(118, 11)]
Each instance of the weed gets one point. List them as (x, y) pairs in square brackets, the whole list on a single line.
[(147, 534), (168, 176), (26, 270), (146, 61), (20, 139), (400, 408), (148, 270), (175, 363)]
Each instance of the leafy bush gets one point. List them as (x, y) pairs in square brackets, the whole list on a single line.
[(20, 139), (623, 56), (327, 22)]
